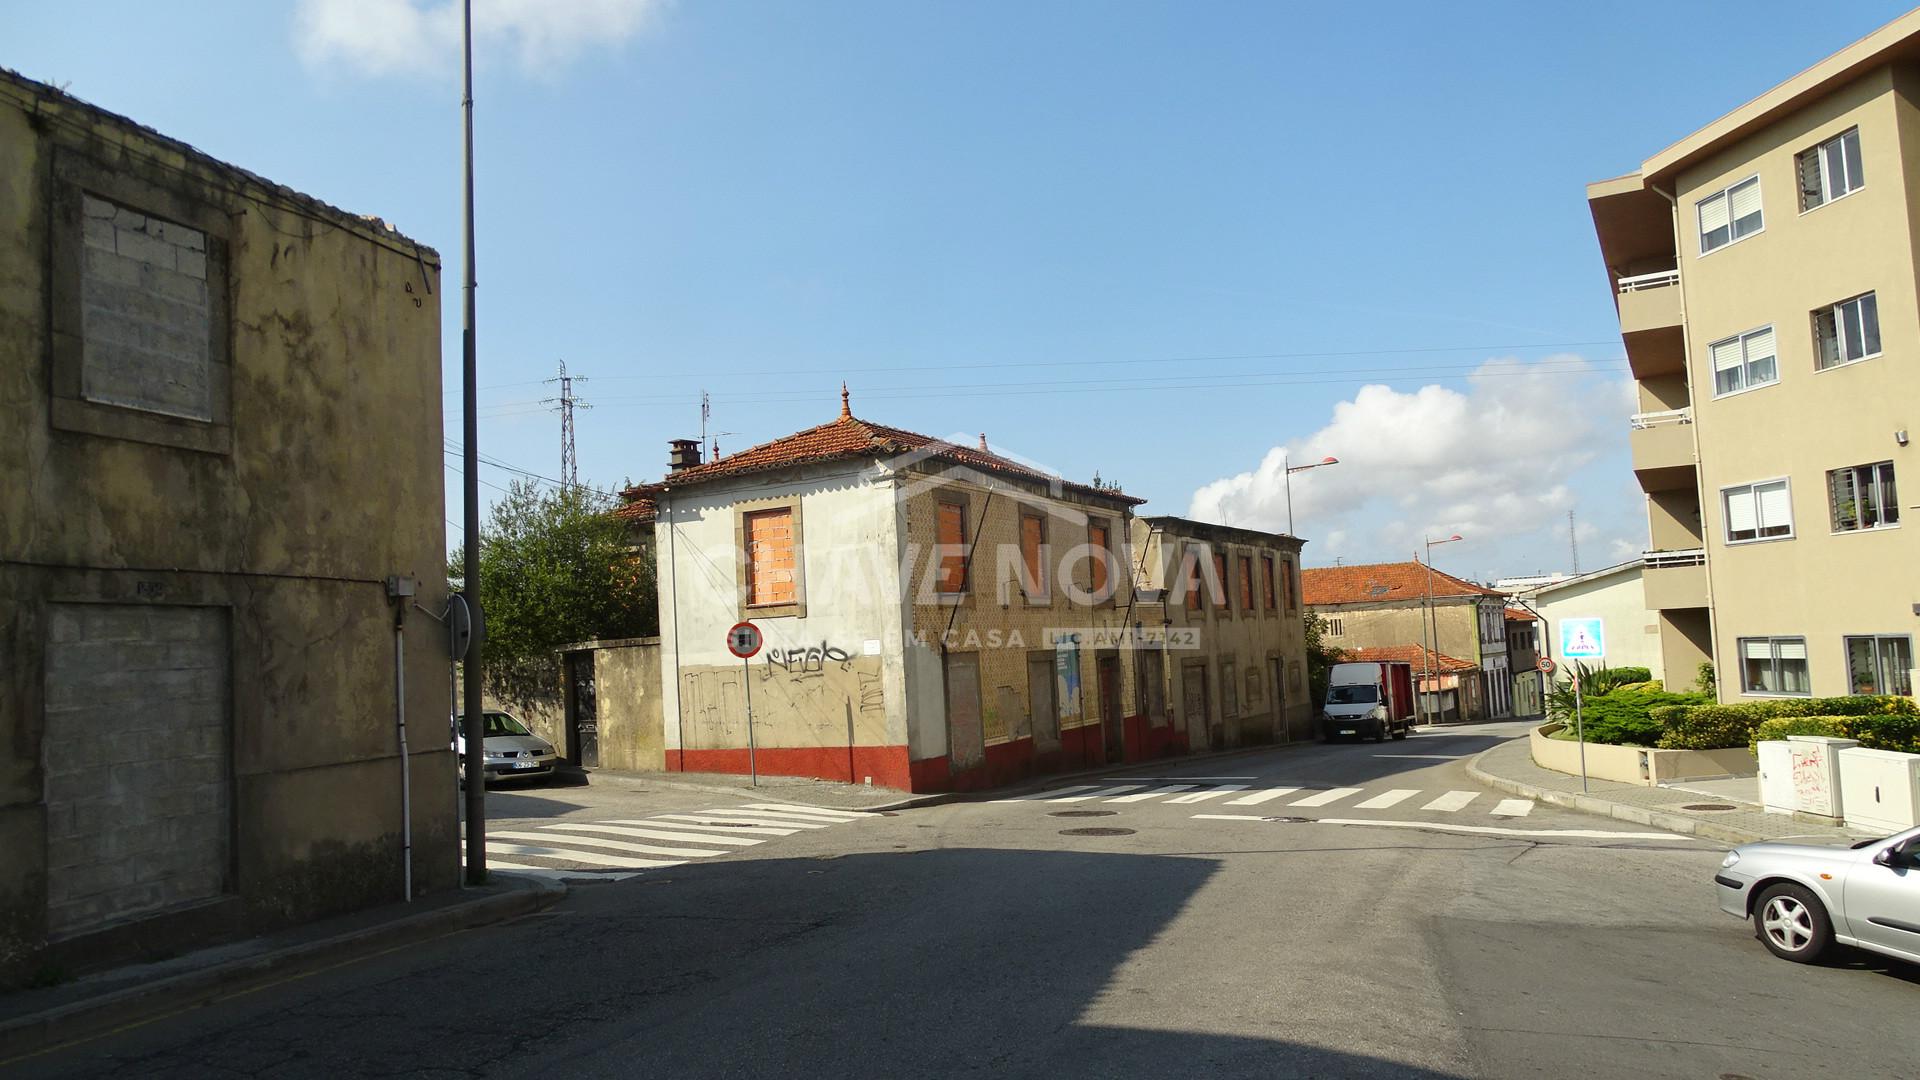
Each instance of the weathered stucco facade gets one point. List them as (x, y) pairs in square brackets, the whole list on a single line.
[(220, 429)]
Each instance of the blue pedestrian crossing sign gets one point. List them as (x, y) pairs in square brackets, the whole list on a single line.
[(1583, 639)]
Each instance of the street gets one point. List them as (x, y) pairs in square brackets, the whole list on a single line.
[(1384, 917)]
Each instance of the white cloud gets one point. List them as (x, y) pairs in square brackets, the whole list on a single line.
[(1495, 463), (389, 37)]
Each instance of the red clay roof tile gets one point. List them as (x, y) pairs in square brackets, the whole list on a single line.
[(1408, 654), (1380, 583)]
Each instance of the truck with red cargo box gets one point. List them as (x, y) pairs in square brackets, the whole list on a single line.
[(1368, 699)]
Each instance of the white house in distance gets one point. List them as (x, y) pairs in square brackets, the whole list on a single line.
[(1615, 597)]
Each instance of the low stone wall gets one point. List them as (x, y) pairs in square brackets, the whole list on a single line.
[(1636, 764)]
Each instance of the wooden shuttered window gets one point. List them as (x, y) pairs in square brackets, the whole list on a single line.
[(1033, 540), (771, 569), (1246, 582), (1191, 576), (1097, 538), (1290, 583), (1266, 581), (1220, 578), (952, 538)]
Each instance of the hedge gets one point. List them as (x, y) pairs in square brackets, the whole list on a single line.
[(1881, 731), (1896, 720), (1624, 716)]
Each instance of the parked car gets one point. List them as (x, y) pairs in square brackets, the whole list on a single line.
[(1805, 898), (1368, 700), (512, 752)]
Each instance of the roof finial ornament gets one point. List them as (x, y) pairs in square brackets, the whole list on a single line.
[(983, 440), (846, 408)]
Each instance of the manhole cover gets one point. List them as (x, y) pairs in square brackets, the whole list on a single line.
[(1097, 831), (1710, 806), (1083, 813)]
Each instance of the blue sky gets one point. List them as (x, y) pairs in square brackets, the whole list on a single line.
[(1153, 240)]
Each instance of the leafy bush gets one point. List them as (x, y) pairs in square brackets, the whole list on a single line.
[(1889, 730), (1594, 683), (1782, 726), (1714, 727), (1706, 680), (1625, 717)]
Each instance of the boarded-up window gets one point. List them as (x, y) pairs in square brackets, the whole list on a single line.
[(953, 547), (1097, 539), (1246, 581), (1292, 582), (1224, 598), (1190, 579), (1033, 539), (1266, 580), (770, 558)]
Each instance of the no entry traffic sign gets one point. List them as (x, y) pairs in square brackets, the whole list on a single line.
[(743, 640)]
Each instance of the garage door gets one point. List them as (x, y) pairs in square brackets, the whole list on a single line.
[(136, 748)]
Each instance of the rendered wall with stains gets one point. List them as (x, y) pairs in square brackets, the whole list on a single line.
[(279, 477)]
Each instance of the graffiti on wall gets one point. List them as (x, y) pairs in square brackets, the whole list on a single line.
[(810, 660), (813, 696)]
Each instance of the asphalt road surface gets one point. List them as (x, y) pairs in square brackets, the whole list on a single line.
[(1381, 916)]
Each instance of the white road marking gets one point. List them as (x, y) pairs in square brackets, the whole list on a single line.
[(734, 817), (1513, 808), (1420, 757), (1050, 794), (654, 834), (1325, 797), (1451, 801), (781, 817), (579, 856), (1101, 792), (690, 821), (562, 875), (1494, 830), (610, 845), (1259, 797), (1155, 793), (1169, 779), (816, 811), (1382, 801), (1203, 796)]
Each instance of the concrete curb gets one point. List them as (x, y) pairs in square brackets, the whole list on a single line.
[(1639, 815), (51, 1028)]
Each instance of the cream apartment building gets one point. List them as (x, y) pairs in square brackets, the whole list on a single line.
[(1764, 269)]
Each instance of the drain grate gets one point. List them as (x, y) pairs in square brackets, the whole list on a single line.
[(1083, 813), (1710, 806), (1097, 831)]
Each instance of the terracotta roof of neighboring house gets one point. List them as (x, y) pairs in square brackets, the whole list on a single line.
[(638, 509), (1515, 614), (1409, 654), (1380, 583), (848, 436)]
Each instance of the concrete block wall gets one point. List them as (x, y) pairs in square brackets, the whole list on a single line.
[(145, 313)]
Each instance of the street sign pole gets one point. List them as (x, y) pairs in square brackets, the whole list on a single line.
[(1582, 639), (1580, 730), (746, 680)]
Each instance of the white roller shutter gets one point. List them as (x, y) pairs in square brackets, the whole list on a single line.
[(1741, 515), (1790, 648), (1776, 507), (1745, 199), (1759, 345), (1713, 213), (1757, 649)]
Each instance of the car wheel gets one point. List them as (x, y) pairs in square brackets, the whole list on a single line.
[(1402, 731), (1793, 924)]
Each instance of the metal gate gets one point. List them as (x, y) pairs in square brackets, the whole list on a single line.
[(583, 712)]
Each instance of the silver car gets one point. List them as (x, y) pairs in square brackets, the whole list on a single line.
[(512, 751), (1804, 898)]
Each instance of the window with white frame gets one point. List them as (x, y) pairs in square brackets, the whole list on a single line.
[(1880, 664), (1729, 215), (1847, 331), (1744, 361), (1774, 665), (1863, 497), (1762, 511), (1830, 170)]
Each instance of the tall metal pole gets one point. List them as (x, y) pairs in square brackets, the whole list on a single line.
[(1426, 642), (1286, 469), (746, 681), (476, 776)]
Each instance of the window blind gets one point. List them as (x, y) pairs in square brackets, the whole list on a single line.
[(1759, 345), (1776, 508), (1741, 515), (1745, 201), (1726, 354), (1791, 648), (1713, 213), (1757, 649)]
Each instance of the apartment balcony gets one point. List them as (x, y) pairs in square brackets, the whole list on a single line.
[(1675, 579), (1651, 323), (1662, 448)]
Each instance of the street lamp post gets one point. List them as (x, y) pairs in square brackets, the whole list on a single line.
[(1289, 470), (1431, 644)]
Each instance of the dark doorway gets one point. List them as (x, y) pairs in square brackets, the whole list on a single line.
[(1107, 669), (583, 712), (1282, 731), (1046, 716)]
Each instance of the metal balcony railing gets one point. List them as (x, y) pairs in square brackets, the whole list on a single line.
[(1642, 421), (1663, 560), (1659, 279)]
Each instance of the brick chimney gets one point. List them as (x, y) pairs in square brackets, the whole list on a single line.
[(682, 454)]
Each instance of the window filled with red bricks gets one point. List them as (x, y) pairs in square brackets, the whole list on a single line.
[(953, 547), (1225, 597), (770, 558), (1190, 579), (1033, 537), (1292, 584), (1246, 582), (1266, 580)]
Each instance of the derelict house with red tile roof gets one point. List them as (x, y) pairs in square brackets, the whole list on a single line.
[(936, 615), (1387, 606)]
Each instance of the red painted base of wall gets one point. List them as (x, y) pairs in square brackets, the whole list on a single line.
[(886, 764)]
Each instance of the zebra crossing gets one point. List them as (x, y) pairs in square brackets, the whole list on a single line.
[(615, 849), (1305, 796)]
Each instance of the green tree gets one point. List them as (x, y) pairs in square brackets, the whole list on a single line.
[(555, 568), (1320, 657)]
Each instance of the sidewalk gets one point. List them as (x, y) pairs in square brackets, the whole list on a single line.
[(40, 1019), (1509, 767)]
